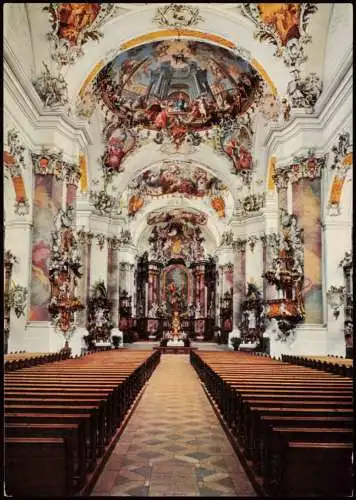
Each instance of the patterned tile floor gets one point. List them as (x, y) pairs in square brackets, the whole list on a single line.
[(174, 444)]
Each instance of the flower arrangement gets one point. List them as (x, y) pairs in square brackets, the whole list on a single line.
[(236, 341)]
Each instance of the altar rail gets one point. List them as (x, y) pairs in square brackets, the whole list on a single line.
[(175, 349), (157, 326), (330, 364)]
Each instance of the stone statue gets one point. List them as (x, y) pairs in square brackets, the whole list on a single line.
[(251, 320)]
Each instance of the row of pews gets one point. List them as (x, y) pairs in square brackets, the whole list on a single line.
[(331, 364), (19, 360), (62, 418), (291, 425)]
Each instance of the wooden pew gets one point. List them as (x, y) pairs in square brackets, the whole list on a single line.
[(32, 454), (18, 361), (91, 392), (73, 435), (304, 469), (331, 364), (247, 391)]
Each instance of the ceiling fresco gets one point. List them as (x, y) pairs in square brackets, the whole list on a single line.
[(284, 25), (176, 215), (177, 179), (121, 142), (73, 25), (285, 18), (176, 87)]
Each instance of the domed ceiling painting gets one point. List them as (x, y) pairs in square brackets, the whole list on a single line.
[(178, 179), (176, 86)]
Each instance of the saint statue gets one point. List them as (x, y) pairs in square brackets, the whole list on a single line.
[(176, 326)]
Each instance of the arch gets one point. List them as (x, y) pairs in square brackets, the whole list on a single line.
[(125, 29), (213, 228), (149, 155), (172, 34)]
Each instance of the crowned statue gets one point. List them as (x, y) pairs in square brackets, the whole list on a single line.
[(176, 336), (176, 326)]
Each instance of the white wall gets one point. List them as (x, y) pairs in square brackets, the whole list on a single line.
[(17, 33), (23, 110)]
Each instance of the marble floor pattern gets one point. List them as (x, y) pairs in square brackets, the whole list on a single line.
[(174, 444)]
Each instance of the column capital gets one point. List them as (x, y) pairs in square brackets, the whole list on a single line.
[(240, 244), (84, 236), (100, 240), (113, 242)]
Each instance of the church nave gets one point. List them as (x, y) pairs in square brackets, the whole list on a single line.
[(178, 249), (173, 444)]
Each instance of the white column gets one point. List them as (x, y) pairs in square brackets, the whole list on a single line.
[(254, 264), (337, 241), (99, 259), (18, 240)]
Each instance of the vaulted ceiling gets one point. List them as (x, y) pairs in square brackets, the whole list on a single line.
[(177, 95)]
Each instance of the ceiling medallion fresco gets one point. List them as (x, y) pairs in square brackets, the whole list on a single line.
[(235, 141), (177, 214), (177, 16), (120, 142), (177, 179), (284, 25), (73, 25), (176, 88)]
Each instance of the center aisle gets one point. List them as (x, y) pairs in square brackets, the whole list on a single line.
[(174, 443)]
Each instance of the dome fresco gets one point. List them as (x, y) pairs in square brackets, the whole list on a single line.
[(178, 179), (177, 86)]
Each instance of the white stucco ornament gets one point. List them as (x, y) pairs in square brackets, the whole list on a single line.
[(177, 16)]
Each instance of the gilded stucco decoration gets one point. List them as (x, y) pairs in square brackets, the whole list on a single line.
[(304, 166), (176, 239), (341, 163), (252, 240), (73, 25), (14, 161), (286, 273), (52, 163), (125, 237), (227, 239), (64, 271), (100, 240), (341, 151)]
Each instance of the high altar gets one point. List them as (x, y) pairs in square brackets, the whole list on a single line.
[(175, 300), (175, 336)]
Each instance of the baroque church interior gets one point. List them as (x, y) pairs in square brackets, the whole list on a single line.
[(178, 276)]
